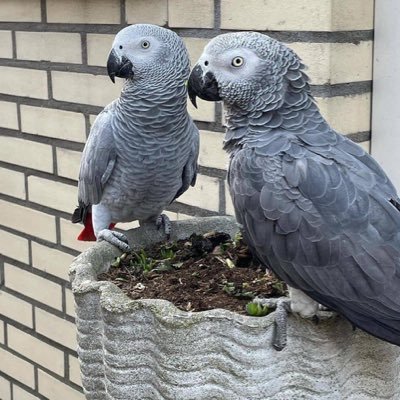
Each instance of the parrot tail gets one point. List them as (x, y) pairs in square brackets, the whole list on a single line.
[(82, 214)]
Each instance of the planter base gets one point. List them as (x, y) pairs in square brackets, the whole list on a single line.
[(148, 349)]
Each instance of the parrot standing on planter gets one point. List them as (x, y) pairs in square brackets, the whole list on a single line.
[(142, 150), (314, 206)]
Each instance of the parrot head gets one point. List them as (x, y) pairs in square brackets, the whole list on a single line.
[(147, 51), (244, 69)]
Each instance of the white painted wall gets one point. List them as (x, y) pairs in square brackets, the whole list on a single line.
[(385, 145)]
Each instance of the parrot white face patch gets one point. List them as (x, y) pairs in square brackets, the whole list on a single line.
[(233, 64)]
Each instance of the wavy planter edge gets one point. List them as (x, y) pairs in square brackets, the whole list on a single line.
[(149, 349)]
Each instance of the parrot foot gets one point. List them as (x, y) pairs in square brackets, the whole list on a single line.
[(282, 307), (163, 220), (117, 239)]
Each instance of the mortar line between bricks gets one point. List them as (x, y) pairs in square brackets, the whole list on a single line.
[(43, 368), (14, 44), (217, 14), (34, 333), (84, 52), (122, 5), (325, 90), (36, 377), (35, 271), (43, 11), (352, 36), (64, 143), (11, 391), (35, 239), (21, 385), (51, 103), (36, 206)]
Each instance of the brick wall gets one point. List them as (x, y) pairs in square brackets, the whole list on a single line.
[(53, 83)]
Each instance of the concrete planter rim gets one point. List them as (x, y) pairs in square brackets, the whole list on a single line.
[(121, 341)]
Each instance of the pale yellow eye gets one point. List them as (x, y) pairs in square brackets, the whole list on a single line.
[(145, 44), (237, 62)]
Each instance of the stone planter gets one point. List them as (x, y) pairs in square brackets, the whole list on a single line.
[(148, 349)]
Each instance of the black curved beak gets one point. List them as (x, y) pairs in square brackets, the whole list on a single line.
[(118, 67), (205, 87)]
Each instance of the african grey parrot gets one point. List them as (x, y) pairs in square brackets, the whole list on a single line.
[(142, 150), (314, 206)]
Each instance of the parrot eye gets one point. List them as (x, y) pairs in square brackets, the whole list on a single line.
[(237, 62), (145, 44)]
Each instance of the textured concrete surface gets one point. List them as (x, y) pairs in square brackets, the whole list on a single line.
[(148, 349)]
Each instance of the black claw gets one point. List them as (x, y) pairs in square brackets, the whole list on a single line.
[(316, 319)]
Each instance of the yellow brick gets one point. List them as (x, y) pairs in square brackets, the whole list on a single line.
[(84, 88), (205, 111), (195, 48), (36, 350), (21, 394), (336, 62), (35, 155), (173, 216), (17, 368), (352, 15), (1, 338), (98, 48), (52, 194), (8, 112), (70, 304), (200, 13), (23, 82), (204, 195), (5, 44), (55, 328), (351, 62), (366, 146), (53, 389), (147, 11), (347, 114), (5, 389), (316, 56), (68, 162), (53, 123), (33, 286), (49, 46), (20, 11), (297, 15), (14, 246), (12, 183), (126, 226), (293, 15), (74, 370), (69, 233), (229, 209), (52, 261), (211, 153), (15, 308), (29, 221), (84, 11)]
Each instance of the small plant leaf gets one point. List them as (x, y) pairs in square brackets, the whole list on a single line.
[(257, 310)]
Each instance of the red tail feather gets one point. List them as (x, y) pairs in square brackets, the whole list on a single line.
[(87, 234)]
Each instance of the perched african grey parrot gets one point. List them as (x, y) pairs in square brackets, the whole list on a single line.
[(142, 150), (314, 206)]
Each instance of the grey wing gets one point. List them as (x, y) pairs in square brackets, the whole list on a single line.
[(325, 219), (98, 159), (190, 169)]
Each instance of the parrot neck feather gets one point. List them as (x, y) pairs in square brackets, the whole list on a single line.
[(295, 116)]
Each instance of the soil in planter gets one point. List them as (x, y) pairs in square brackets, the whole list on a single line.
[(200, 273)]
